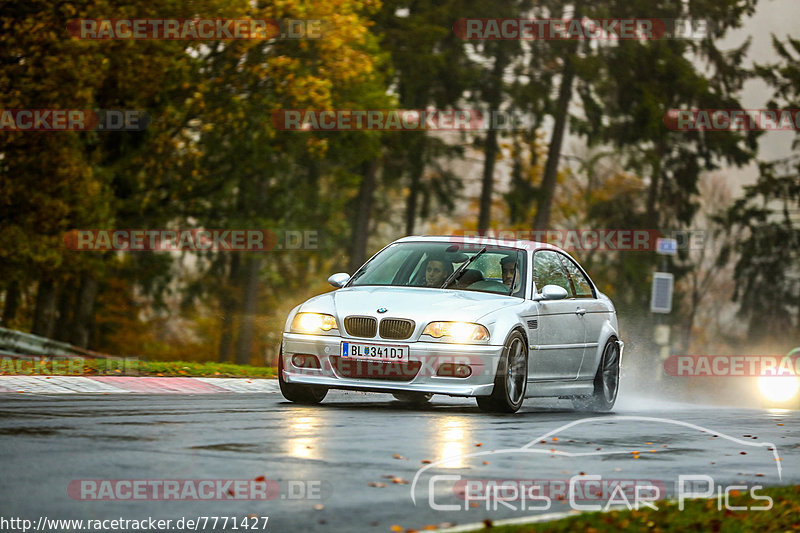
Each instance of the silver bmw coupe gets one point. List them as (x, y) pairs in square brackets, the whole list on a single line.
[(462, 316)]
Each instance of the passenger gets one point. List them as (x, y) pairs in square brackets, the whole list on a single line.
[(509, 266)]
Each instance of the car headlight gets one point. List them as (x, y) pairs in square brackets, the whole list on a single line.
[(458, 331), (778, 389), (313, 323)]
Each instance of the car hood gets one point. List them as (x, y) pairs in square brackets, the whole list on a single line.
[(417, 303)]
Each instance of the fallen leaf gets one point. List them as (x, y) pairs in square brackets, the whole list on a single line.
[(260, 478), (486, 462), (426, 461), (397, 528), (379, 485), (399, 481), (319, 507), (479, 444)]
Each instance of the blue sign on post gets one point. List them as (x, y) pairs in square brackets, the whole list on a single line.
[(666, 246)]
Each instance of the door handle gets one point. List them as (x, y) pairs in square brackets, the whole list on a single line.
[(581, 311)]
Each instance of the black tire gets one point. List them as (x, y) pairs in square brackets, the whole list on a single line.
[(293, 392), (414, 398), (606, 382), (511, 379)]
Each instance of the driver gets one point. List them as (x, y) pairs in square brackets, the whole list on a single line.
[(436, 271), (509, 265)]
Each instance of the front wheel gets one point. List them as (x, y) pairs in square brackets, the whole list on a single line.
[(299, 393), (606, 382), (511, 379)]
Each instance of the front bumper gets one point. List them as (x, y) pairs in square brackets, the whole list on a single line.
[(482, 359)]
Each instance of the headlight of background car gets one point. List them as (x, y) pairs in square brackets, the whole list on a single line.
[(458, 331), (777, 386), (313, 323)]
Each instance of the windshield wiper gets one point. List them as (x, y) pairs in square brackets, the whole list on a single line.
[(460, 270)]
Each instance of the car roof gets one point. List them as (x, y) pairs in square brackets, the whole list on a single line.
[(480, 240)]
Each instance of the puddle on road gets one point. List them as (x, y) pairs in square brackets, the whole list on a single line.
[(231, 447), (34, 431)]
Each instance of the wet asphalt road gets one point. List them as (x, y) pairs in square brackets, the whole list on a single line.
[(352, 442)]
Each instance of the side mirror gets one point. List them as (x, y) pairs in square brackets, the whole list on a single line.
[(553, 292), (338, 280)]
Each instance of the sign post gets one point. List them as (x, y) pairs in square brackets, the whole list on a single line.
[(661, 298)]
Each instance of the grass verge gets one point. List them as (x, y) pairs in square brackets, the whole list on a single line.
[(131, 367)]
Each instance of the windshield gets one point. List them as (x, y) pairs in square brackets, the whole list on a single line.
[(431, 264)]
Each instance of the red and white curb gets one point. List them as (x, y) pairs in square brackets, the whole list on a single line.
[(133, 385)]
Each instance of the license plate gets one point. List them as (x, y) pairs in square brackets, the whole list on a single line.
[(374, 352)]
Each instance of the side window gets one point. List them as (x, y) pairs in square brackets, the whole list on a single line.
[(548, 270), (583, 289)]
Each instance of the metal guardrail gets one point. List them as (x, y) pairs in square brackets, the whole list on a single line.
[(19, 344)]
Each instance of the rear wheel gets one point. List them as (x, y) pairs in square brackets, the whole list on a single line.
[(415, 398), (606, 382), (299, 393), (511, 379)]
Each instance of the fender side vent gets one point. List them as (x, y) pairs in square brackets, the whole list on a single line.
[(533, 324)]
